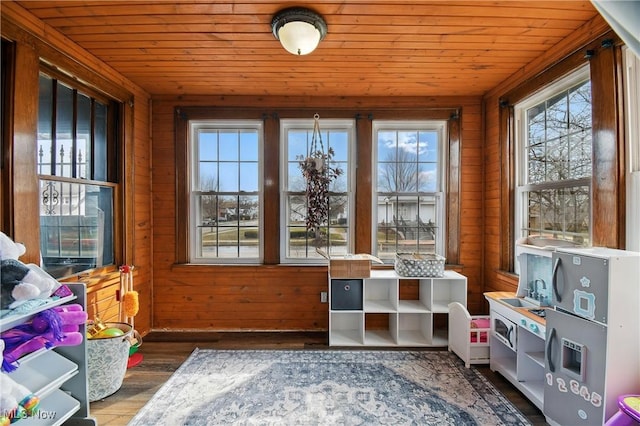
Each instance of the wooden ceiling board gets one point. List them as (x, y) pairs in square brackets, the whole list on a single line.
[(373, 48)]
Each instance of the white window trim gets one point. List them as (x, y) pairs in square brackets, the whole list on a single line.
[(307, 124), (632, 94), (563, 83), (439, 126), (195, 125)]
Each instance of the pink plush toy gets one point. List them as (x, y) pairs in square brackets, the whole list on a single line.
[(57, 326)]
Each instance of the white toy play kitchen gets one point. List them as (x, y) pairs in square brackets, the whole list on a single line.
[(563, 338)]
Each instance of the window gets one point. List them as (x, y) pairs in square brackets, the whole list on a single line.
[(225, 196), (297, 243), (554, 145), (409, 188), (76, 136)]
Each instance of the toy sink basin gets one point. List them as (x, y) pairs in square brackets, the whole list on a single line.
[(518, 302)]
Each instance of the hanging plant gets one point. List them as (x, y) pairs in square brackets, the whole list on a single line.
[(318, 175)]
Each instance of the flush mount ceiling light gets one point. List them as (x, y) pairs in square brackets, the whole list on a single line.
[(298, 29)]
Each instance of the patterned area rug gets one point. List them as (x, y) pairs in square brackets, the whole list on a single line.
[(329, 387)]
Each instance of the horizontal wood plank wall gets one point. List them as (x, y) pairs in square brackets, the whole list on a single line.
[(279, 297), (29, 33), (495, 224)]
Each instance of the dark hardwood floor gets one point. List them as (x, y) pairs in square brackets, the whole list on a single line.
[(165, 352)]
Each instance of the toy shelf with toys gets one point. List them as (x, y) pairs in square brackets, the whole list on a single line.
[(56, 376)]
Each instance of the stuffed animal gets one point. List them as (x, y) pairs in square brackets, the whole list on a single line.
[(20, 282), (57, 326), (16, 401)]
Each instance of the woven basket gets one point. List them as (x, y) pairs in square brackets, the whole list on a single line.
[(419, 265)]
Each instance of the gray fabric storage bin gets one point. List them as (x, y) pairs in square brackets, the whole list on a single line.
[(346, 294)]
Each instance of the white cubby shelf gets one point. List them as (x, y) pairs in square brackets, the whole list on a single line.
[(395, 319)]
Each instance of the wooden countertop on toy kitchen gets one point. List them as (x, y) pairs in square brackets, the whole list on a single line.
[(497, 296)]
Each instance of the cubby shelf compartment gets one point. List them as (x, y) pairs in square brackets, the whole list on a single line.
[(411, 314), (414, 329), (381, 295), (347, 328)]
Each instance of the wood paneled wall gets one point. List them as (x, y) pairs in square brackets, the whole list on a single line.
[(267, 297), (279, 297), (36, 42), (498, 273)]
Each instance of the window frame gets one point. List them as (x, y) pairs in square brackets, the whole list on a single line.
[(522, 186), (441, 127), (287, 124), (217, 124), (114, 135), (631, 64)]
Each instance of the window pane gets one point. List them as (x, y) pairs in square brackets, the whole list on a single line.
[(208, 147), (427, 177), (295, 180), (576, 213), (428, 147), (76, 224), (64, 137), (229, 145), (340, 184), (557, 160), (248, 145), (208, 176), (297, 144), (229, 177), (339, 142), (557, 116), (536, 124), (249, 177), (45, 125), (100, 158), (580, 108), (208, 208), (580, 155), (536, 163), (83, 137)]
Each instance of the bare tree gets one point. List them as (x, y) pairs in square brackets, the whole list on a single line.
[(399, 172)]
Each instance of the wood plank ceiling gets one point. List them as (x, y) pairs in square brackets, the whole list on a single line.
[(373, 47)]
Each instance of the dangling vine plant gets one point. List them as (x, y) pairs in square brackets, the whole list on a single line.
[(318, 174)]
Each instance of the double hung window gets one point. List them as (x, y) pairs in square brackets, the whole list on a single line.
[(77, 148), (225, 191), (554, 149), (298, 244), (409, 187)]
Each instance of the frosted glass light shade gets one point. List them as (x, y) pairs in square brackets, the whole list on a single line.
[(299, 38), (298, 29)]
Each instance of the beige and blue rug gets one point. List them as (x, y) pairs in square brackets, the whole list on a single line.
[(326, 387)]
